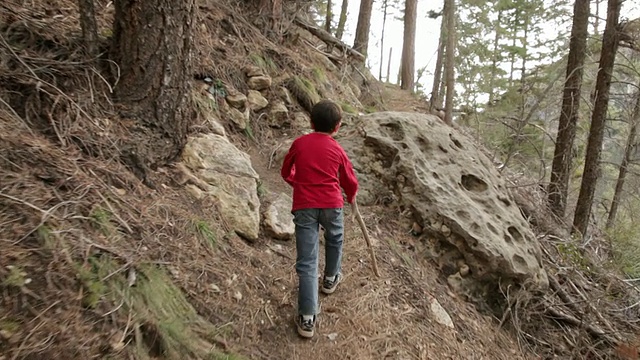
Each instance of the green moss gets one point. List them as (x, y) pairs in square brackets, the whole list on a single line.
[(165, 324), (304, 91)]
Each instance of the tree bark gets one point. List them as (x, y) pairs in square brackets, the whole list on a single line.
[(361, 42), (436, 99), (89, 26), (569, 113), (450, 61), (409, 45), (596, 132), (343, 19), (626, 160), (329, 18), (152, 44)]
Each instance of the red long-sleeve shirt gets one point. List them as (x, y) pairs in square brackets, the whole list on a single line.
[(316, 166)]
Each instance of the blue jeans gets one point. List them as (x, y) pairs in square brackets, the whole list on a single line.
[(307, 223)]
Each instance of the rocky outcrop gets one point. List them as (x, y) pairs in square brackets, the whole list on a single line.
[(225, 174), (470, 222)]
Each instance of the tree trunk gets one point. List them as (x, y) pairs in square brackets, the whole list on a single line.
[(329, 18), (384, 23), (596, 24), (89, 26), (596, 132), (361, 42), (451, 48), (343, 19), (494, 60), (409, 45), (514, 31), (389, 63), (151, 44), (436, 99), (622, 174), (569, 113)]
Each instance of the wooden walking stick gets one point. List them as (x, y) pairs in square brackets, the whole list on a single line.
[(354, 208)]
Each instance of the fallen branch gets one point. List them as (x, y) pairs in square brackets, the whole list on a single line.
[(327, 38)]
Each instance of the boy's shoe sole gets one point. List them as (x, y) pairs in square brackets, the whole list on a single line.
[(330, 290)]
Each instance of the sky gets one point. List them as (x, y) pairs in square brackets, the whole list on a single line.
[(427, 34)]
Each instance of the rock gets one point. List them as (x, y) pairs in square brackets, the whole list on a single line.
[(455, 191), (301, 120), (238, 100), (278, 220), (439, 313), (216, 126), (256, 101), (279, 115), (285, 95), (230, 179), (252, 70), (238, 118), (281, 152), (194, 191), (259, 82)]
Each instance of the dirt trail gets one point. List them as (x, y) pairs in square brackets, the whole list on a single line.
[(367, 317)]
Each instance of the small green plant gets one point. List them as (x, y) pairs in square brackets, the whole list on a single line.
[(261, 189), (265, 63), (17, 277), (370, 109), (45, 235), (90, 275), (626, 247), (218, 89), (202, 227), (319, 74), (572, 254), (101, 218), (249, 132), (346, 107), (9, 326)]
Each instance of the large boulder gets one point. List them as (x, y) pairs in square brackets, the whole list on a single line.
[(227, 176), (471, 224)]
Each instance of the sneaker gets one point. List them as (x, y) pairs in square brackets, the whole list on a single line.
[(329, 285), (306, 326)]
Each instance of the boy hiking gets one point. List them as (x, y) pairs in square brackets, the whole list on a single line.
[(316, 166)]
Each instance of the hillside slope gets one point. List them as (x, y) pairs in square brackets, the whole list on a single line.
[(94, 264)]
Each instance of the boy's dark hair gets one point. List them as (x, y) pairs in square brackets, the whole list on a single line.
[(325, 116)]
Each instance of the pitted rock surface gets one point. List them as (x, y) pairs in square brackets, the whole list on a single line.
[(469, 219)]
